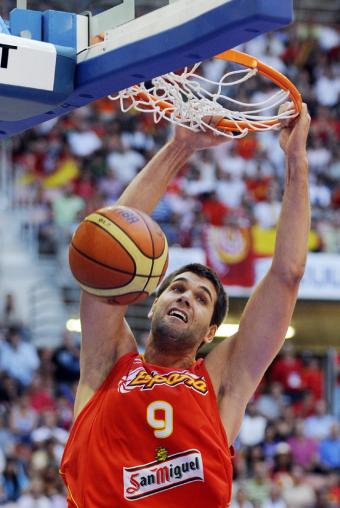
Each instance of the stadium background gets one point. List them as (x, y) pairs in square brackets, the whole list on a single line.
[(52, 176)]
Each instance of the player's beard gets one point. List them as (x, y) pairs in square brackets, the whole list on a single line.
[(168, 339)]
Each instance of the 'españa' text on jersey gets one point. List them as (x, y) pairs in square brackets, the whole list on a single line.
[(150, 437)]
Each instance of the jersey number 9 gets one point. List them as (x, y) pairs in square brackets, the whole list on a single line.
[(162, 423)]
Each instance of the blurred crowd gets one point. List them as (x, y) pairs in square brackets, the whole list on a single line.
[(289, 445), (69, 166), (288, 450), (37, 390)]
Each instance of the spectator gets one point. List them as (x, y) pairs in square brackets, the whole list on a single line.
[(285, 424), (66, 360), (57, 497), (214, 211), (336, 399), (287, 370), (67, 209), (34, 497), (49, 429), (124, 161), (42, 219), (7, 439), (319, 155), (334, 166), (23, 419), (306, 406), (46, 452), (40, 393), (267, 212), (207, 165), (283, 462), (320, 193), (253, 427), (333, 489), (83, 140), (51, 480), (329, 235), (319, 425), (84, 186), (323, 499), (18, 358), (258, 487), (327, 87), (241, 500), (298, 494), (194, 184), (9, 315), (269, 444), (304, 449), (233, 163), (10, 388), (275, 499), (230, 190), (137, 139), (258, 184), (271, 403), (64, 410), (330, 449), (253, 455), (13, 479), (313, 378), (110, 187)]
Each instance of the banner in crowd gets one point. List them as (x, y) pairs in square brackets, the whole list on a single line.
[(179, 257), (229, 252), (320, 282), (264, 241)]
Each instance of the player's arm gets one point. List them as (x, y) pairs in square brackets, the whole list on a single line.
[(105, 334), (238, 365)]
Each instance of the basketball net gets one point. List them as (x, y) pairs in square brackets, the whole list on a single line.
[(190, 100)]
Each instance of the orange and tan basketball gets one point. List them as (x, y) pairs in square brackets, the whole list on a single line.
[(119, 254)]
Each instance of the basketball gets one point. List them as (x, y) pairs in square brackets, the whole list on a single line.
[(118, 254)]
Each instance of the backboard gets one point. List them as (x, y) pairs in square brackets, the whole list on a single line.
[(49, 67)]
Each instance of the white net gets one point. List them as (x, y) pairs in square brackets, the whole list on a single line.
[(189, 99)]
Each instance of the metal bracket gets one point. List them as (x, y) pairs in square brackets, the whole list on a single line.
[(111, 18)]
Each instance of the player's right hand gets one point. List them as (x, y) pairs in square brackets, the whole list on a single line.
[(199, 140)]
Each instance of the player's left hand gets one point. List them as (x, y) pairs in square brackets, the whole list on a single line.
[(294, 132), (200, 140)]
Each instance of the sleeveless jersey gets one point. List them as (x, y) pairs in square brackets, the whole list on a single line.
[(151, 437)]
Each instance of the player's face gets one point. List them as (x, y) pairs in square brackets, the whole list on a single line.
[(182, 314)]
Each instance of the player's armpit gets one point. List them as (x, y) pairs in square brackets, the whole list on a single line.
[(238, 364), (231, 405)]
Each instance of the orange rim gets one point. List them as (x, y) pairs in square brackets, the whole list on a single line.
[(252, 63), (269, 72)]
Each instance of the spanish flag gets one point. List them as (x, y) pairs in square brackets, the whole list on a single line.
[(229, 253)]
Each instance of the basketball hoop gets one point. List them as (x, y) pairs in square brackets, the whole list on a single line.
[(186, 99)]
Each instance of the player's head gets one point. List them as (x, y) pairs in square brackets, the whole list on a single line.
[(190, 305), (221, 303)]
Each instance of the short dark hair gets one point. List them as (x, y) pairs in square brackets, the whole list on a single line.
[(221, 304)]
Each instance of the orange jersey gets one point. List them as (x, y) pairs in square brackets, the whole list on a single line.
[(151, 437)]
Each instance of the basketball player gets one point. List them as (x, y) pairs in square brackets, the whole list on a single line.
[(156, 431)]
